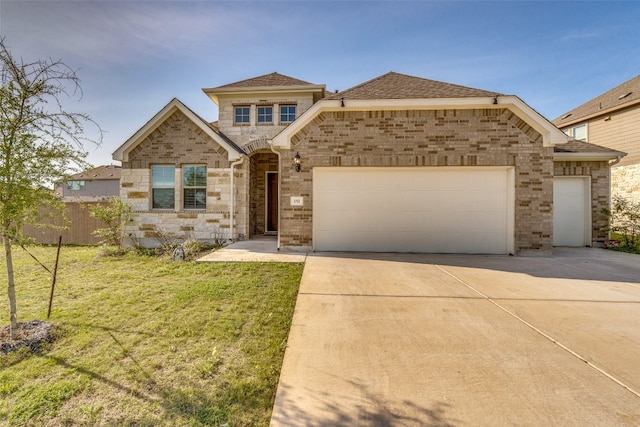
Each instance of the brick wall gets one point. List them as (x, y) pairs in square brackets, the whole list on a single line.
[(483, 137), (599, 173), (178, 141)]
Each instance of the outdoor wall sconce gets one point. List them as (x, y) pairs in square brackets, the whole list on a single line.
[(296, 162)]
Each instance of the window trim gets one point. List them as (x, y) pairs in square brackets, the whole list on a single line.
[(163, 187), (259, 115), (573, 131), (295, 112), (186, 187), (235, 115), (81, 185)]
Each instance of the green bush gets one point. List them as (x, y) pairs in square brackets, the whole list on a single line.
[(624, 220)]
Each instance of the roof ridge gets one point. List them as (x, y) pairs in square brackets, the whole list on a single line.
[(394, 85), (266, 78), (610, 99)]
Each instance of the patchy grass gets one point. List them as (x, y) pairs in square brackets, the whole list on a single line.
[(145, 341)]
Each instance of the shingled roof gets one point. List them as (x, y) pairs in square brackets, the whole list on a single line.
[(273, 79), (575, 146), (394, 85), (627, 93), (98, 173)]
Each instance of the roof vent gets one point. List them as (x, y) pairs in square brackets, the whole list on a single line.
[(565, 116), (625, 95)]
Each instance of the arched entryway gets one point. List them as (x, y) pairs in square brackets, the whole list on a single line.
[(263, 195)]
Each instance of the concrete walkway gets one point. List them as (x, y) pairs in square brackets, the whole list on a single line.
[(259, 249), (453, 340)]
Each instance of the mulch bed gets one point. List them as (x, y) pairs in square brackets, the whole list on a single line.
[(30, 334)]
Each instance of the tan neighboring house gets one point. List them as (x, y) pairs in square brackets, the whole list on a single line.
[(94, 185), (395, 164), (612, 120)]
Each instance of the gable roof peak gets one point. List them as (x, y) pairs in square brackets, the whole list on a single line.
[(394, 85), (266, 80)]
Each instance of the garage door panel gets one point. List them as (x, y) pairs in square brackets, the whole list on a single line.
[(447, 210)]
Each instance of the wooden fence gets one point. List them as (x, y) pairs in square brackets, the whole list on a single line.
[(79, 232)]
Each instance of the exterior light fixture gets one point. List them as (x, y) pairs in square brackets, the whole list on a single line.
[(296, 162)]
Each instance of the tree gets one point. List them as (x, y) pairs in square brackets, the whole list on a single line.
[(113, 215), (624, 218), (40, 143)]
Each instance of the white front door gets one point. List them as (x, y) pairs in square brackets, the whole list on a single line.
[(571, 211)]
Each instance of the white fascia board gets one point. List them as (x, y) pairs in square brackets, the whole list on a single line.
[(122, 153), (551, 135), (215, 93), (585, 157)]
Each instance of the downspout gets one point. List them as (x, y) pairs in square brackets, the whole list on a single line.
[(616, 161), (233, 199), (277, 153)]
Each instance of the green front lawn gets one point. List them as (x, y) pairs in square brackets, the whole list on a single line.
[(146, 341)]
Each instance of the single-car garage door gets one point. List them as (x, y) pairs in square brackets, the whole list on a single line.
[(571, 211), (430, 210)]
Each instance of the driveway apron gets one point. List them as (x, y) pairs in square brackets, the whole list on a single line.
[(454, 340)]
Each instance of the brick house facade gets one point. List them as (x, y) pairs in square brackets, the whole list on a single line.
[(264, 165)]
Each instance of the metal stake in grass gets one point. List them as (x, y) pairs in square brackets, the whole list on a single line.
[(53, 281)]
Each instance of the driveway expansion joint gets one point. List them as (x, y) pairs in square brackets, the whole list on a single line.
[(541, 332)]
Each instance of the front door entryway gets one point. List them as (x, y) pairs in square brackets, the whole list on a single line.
[(272, 201)]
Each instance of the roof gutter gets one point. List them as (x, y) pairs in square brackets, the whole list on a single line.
[(617, 160), (588, 157)]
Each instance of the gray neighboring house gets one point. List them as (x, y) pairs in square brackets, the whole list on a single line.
[(612, 120), (395, 164), (94, 185)]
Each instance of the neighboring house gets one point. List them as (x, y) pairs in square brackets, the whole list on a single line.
[(398, 164), (80, 192), (612, 120), (94, 185)]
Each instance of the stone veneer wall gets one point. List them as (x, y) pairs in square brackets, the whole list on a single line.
[(600, 181), (625, 182), (483, 137), (178, 141)]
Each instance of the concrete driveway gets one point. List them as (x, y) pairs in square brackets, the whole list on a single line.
[(453, 340)]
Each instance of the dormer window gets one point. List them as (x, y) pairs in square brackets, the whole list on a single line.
[(265, 114), (241, 115), (287, 113)]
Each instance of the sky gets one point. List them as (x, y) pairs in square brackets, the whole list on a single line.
[(133, 57)]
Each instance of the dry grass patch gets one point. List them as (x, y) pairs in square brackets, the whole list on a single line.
[(146, 341)]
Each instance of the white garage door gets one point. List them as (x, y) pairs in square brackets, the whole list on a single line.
[(571, 211), (431, 210)]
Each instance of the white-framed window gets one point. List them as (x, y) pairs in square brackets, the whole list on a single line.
[(580, 132), (75, 185), (241, 115), (265, 114), (194, 186), (163, 185), (287, 113)]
